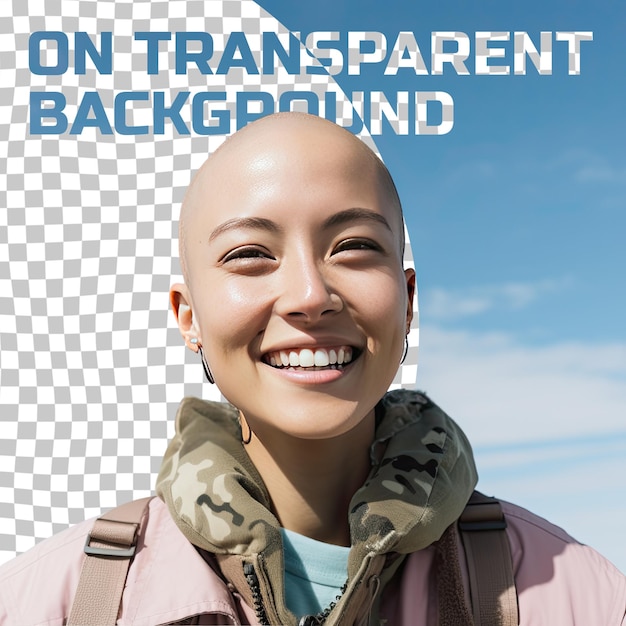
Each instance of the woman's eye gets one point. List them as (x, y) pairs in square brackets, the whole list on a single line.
[(246, 253), (357, 244)]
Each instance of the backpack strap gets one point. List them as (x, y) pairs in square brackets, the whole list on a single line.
[(482, 526), (111, 545), (109, 549)]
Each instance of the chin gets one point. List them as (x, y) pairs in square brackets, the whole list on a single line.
[(317, 418)]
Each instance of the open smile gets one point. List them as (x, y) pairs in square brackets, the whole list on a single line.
[(312, 359)]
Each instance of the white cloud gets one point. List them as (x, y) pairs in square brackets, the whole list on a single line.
[(474, 169), (562, 491), (588, 166), (501, 391), (452, 304), (442, 304), (604, 173), (593, 167), (548, 424)]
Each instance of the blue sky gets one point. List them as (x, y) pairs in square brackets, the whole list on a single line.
[(517, 221)]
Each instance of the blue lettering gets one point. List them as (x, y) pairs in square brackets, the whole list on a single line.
[(153, 40), (173, 112), (91, 103), (313, 105), (120, 112), (197, 114), (83, 46), (237, 43), (272, 47), (244, 116), (201, 58), (38, 112), (34, 53)]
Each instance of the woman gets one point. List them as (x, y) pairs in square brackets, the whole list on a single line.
[(319, 498)]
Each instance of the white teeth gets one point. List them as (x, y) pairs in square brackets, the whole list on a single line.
[(306, 358), (321, 358)]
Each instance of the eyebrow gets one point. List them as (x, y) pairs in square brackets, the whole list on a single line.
[(355, 214), (257, 223), (338, 219)]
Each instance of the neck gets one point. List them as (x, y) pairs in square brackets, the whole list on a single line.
[(311, 482)]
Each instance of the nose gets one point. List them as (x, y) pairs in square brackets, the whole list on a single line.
[(306, 292)]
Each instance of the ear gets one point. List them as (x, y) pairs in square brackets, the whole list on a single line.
[(183, 312), (409, 276)]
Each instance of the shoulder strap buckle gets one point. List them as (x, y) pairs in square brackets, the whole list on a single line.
[(109, 548), (489, 564), (114, 552), (482, 513)]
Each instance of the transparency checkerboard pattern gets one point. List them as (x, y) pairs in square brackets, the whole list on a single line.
[(92, 366)]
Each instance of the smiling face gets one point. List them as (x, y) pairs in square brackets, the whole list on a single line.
[(295, 286)]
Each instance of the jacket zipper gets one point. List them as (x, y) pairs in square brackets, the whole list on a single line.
[(373, 586), (310, 620), (257, 599)]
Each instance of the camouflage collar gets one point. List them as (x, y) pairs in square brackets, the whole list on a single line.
[(422, 476)]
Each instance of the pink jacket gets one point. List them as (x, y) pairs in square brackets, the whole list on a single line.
[(560, 582)]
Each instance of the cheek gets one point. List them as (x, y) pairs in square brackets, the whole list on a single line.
[(232, 313), (382, 312)]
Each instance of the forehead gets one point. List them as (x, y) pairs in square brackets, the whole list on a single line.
[(289, 166)]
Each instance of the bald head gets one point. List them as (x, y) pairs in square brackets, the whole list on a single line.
[(282, 141)]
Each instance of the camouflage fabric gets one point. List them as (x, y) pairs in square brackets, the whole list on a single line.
[(422, 475)]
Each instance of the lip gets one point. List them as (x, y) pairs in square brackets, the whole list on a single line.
[(311, 376)]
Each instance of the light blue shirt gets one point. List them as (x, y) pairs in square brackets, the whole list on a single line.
[(315, 573)]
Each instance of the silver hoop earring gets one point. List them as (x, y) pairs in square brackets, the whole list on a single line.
[(406, 349), (205, 365), (248, 439)]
